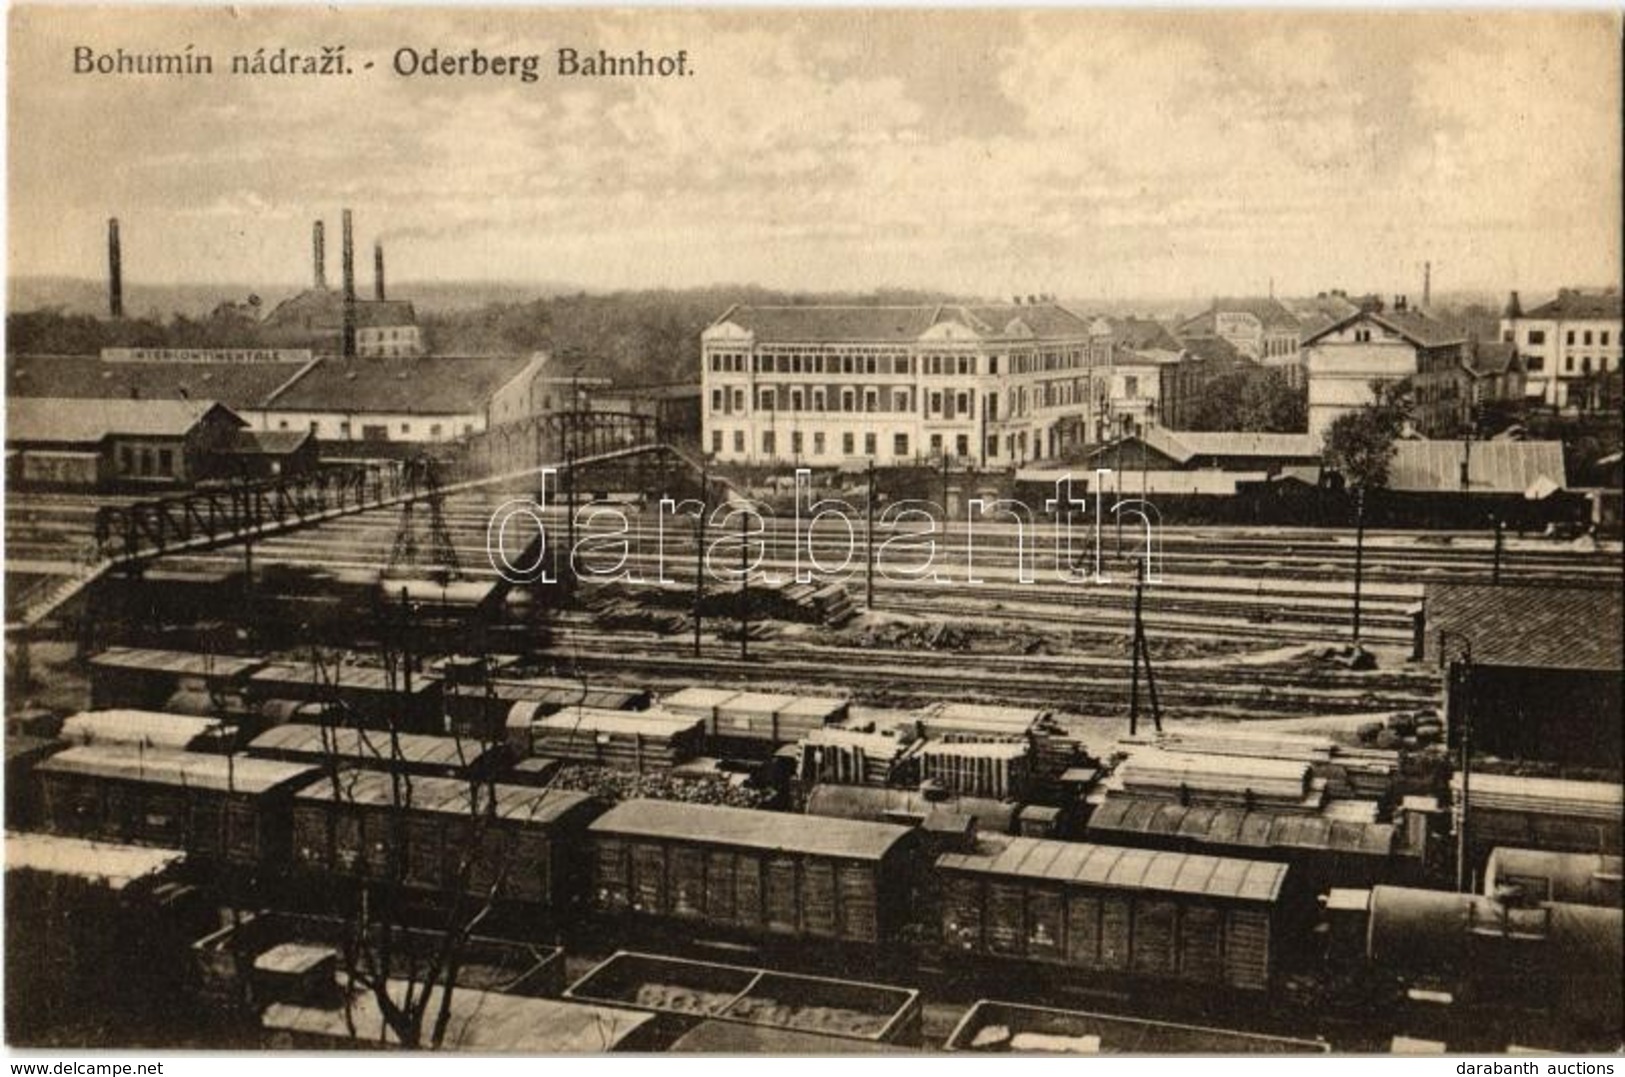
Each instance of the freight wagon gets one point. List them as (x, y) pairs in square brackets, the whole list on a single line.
[(476, 710), (416, 832), (148, 729), (369, 695), (993, 1026), (145, 677), (213, 806), (1101, 908), (1540, 813), (1326, 852), (694, 990), (420, 754), (755, 872)]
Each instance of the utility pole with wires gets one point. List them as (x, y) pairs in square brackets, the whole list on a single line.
[(869, 542), (744, 590), (1359, 554), (1458, 692), (1141, 652), (699, 558)]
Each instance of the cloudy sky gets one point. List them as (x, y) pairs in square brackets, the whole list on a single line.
[(1083, 153)]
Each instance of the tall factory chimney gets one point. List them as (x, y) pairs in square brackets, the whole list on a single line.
[(318, 252), (349, 289), (378, 272), (115, 271), (1427, 285)]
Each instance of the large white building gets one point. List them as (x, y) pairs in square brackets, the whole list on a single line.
[(1344, 359), (815, 386), (1565, 342)]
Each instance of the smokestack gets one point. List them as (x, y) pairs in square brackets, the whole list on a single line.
[(1427, 285), (348, 342), (318, 250), (378, 271), (115, 271)]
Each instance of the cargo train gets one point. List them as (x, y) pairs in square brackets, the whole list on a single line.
[(1148, 919)]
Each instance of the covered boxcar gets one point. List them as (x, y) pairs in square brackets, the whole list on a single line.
[(1103, 908), (217, 806), (373, 749), (416, 831), (754, 871)]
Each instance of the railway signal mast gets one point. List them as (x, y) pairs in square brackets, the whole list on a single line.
[(1141, 652)]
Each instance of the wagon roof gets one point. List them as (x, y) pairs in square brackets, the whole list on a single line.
[(448, 796), (346, 742), (1237, 826), (195, 770), (1121, 868), (587, 720), (178, 662), (778, 831), (364, 678)]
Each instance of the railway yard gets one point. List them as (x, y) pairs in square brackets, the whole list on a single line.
[(811, 821)]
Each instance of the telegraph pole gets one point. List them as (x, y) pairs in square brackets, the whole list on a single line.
[(1134, 651), (744, 591), (1359, 554), (869, 542), (1500, 541), (699, 558)]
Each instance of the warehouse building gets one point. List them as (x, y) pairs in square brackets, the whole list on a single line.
[(1535, 669), (52, 441)]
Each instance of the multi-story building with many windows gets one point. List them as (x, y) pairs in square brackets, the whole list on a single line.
[(1570, 345), (817, 385)]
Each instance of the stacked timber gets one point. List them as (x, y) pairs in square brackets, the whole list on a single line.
[(980, 722), (625, 740), (1350, 773), (997, 770), (759, 716), (850, 757), (1281, 785)]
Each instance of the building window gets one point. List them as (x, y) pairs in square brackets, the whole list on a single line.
[(716, 400), (770, 443), (848, 446), (1131, 385), (434, 430), (795, 443), (1602, 338), (818, 443), (993, 368), (848, 398), (1569, 337), (818, 400), (899, 400), (899, 445), (739, 400), (166, 462), (406, 428), (1588, 338), (1537, 336), (1585, 364), (992, 445), (900, 366), (795, 399), (126, 460), (765, 401), (344, 428), (963, 403), (1568, 364), (1362, 336), (868, 444), (739, 441), (468, 429), (936, 403), (315, 428), (1535, 363), (716, 441), (962, 445), (936, 444), (282, 424), (146, 461), (871, 400), (1506, 336)]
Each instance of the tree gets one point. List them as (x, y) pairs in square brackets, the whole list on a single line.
[(1250, 399), (1360, 444)]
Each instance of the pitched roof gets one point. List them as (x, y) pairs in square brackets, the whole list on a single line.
[(51, 419), (1548, 627), (1418, 327), (1186, 445), (1141, 333), (900, 324), (268, 442), (1494, 467), (194, 770), (749, 828), (236, 385), (1490, 357), (323, 309), (410, 385), (1271, 313), (1121, 868), (1574, 305)]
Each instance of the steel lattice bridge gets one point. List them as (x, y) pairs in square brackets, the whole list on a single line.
[(129, 536)]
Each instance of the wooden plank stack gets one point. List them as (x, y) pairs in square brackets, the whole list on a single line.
[(1000, 771), (848, 757), (1281, 785), (1542, 796), (638, 741), (757, 716), (1350, 773)]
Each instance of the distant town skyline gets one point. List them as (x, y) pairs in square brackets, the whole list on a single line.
[(1157, 155)]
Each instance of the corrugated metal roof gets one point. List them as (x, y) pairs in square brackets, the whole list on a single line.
[(745, 827), (587, 720), (451, 796), (194, 770), (59, 420), (1125, 868), (1127, 814), (1536, 627), (1493, 467), (329, 743), (358, 678)]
